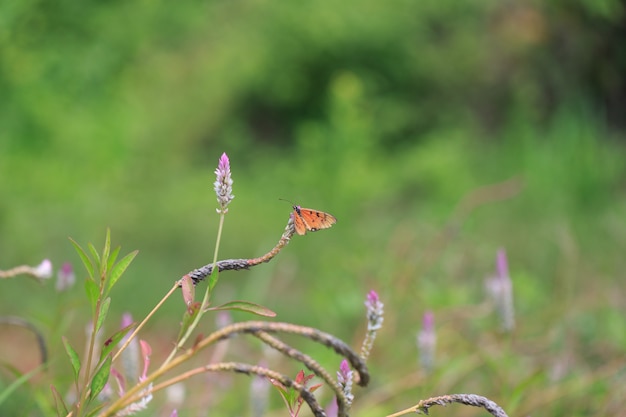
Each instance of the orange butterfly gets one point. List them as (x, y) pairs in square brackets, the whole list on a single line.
[(311, 220)]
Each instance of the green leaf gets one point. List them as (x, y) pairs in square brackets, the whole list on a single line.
[(245, 306), (83, 257), (75, 361), (113, 258), (113, 341), (59, 404), (102, 314), (95, 256), (119, 268), (93, 292), (100, 378), (190, 314), (294, 395), (105, 252), (215, 274)]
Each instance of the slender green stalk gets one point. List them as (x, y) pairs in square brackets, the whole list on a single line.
[(144, 321), (87, 368), (466, 399), (205, 300), (219, 237)]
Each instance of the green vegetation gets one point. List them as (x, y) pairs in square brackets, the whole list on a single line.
[(436, 133)]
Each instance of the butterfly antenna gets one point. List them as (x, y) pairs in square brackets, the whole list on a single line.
[(289, 201)]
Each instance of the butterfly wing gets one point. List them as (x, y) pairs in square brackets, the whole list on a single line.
[(312, 220), (299, 223)]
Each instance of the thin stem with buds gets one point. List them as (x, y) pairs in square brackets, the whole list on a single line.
[(238, 264), (311, 364), (467, 399), (251, 327), (247, 369)]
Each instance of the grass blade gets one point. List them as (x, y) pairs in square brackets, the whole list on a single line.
[(119, 268), (100, 378), (246, 306), (95, 256), (112, 341), (93, 292), (113, 258), (104, 310), (59, 403), (74, 359), (84, 258), (104, 261)]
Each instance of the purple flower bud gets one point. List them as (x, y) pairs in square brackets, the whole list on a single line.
[(374, 321), (344, 378), (345, 373), (65, 277), (374, 311)]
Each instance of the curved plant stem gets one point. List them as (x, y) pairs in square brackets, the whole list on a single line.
[(467, 399)]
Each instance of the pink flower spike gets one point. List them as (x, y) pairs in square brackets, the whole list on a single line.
[(374, 316), (174, 413), (223, 184), (428, 322), (344, 367), (372, 297), (427, 341), (224, 164), (344, 379), (500, 289), (374, 311), (502, 265)]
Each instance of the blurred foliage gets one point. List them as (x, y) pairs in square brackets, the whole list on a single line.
[(391, 116)]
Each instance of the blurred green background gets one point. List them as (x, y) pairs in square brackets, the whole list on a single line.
[(435, 131)]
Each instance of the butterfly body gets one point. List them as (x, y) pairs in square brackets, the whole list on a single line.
[(311, 220)]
